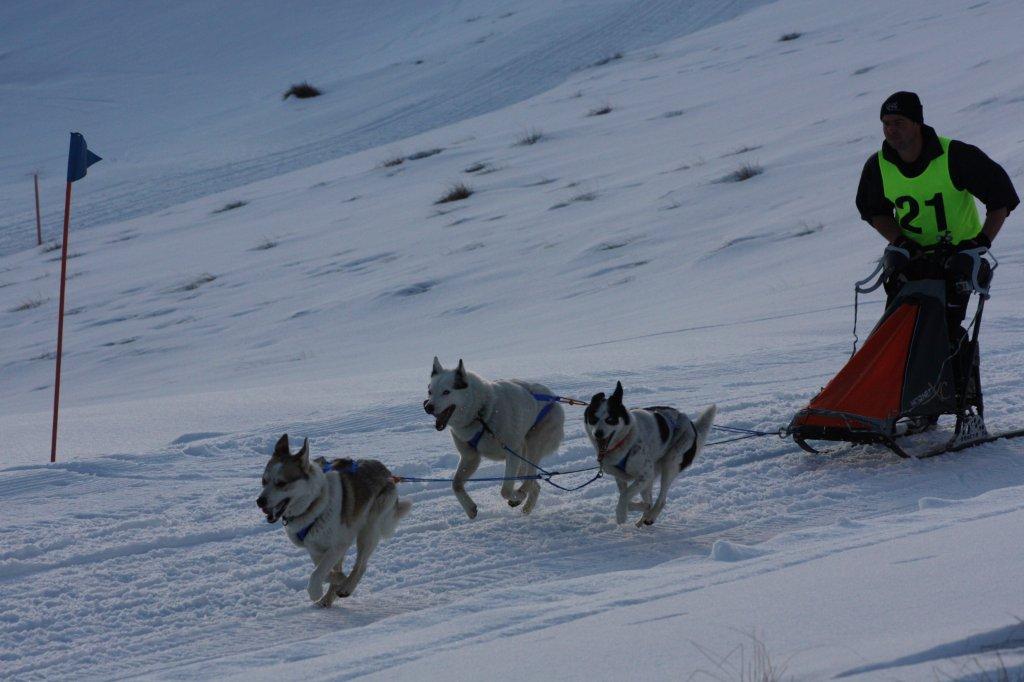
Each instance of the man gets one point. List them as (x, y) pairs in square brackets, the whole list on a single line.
[(919, 193), (917, 190)]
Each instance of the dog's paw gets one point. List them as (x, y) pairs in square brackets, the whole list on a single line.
[(314, 588), (346, 587), (645, 520), (325, 601), (514, 503), (471, 512)]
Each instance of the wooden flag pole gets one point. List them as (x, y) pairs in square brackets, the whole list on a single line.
[(39, 221), (60, 321)]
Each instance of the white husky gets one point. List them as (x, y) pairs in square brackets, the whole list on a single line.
[(325, 506), (489, 418), (640, 445)]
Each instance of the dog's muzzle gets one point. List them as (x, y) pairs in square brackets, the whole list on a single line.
[(273, 514), (441, 420)]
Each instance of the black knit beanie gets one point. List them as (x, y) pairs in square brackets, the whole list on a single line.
[(905, 104)]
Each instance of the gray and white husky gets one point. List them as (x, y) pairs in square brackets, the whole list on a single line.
[(485, 417), (640, 445), (325, 506)]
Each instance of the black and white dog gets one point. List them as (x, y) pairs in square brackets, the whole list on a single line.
[(325, 506), (640, 445)]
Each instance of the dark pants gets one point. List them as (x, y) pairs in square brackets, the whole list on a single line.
[(958, 295)]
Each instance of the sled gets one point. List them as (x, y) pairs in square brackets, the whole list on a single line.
[(907, 374)]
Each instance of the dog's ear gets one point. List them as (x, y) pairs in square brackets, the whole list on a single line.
[(460, 376), (617, 395), (590, 414), (615, 405), (281, 449), (437, 369), (303, 454)]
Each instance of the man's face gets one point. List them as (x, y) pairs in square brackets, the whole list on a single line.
[(900, 131)]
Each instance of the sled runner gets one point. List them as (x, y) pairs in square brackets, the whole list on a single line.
[(909, 371)]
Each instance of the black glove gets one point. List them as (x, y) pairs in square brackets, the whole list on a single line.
[(895, 260), (980, 241)]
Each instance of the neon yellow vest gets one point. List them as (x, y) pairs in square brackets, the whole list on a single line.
[(929, 207)]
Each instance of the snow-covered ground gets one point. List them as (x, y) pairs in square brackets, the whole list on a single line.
[(609, 249)]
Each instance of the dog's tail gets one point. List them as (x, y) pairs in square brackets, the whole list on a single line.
[(702, 426), (391, 518)]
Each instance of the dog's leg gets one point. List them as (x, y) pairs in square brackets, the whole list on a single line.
[(529, 490), (365, 544), (467, 467), (337, 575), (621, 484), (508, 491), (532, 493), (315, 586), (646, 497), (669, 471), (631, 491), (524, 469)]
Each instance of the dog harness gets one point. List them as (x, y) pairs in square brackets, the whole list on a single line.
[(621, 466), (672, 426), (328, 467), (550, 401)]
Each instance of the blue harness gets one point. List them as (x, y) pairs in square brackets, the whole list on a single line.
[(550, 401), (621, 466), (672, 424), (327, 467)]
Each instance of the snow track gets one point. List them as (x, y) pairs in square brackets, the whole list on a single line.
[(311, 303), (172, 560)]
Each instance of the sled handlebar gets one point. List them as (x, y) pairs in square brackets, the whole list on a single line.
[(977, 256)]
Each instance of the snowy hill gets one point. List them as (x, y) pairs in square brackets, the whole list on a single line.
[(289, 285), (186, 100)]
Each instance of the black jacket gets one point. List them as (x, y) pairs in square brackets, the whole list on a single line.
[(969, 169)]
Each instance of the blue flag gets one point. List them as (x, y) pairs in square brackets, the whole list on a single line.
[(79, 158)]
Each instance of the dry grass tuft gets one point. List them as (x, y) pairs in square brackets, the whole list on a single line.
[(29, 304), (531, 136), (744, 172), (230, 207), (302, 90), (457, 192)]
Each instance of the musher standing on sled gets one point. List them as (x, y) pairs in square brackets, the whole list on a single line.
[(918, 192)]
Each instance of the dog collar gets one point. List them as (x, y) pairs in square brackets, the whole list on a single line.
[(602, 455)]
